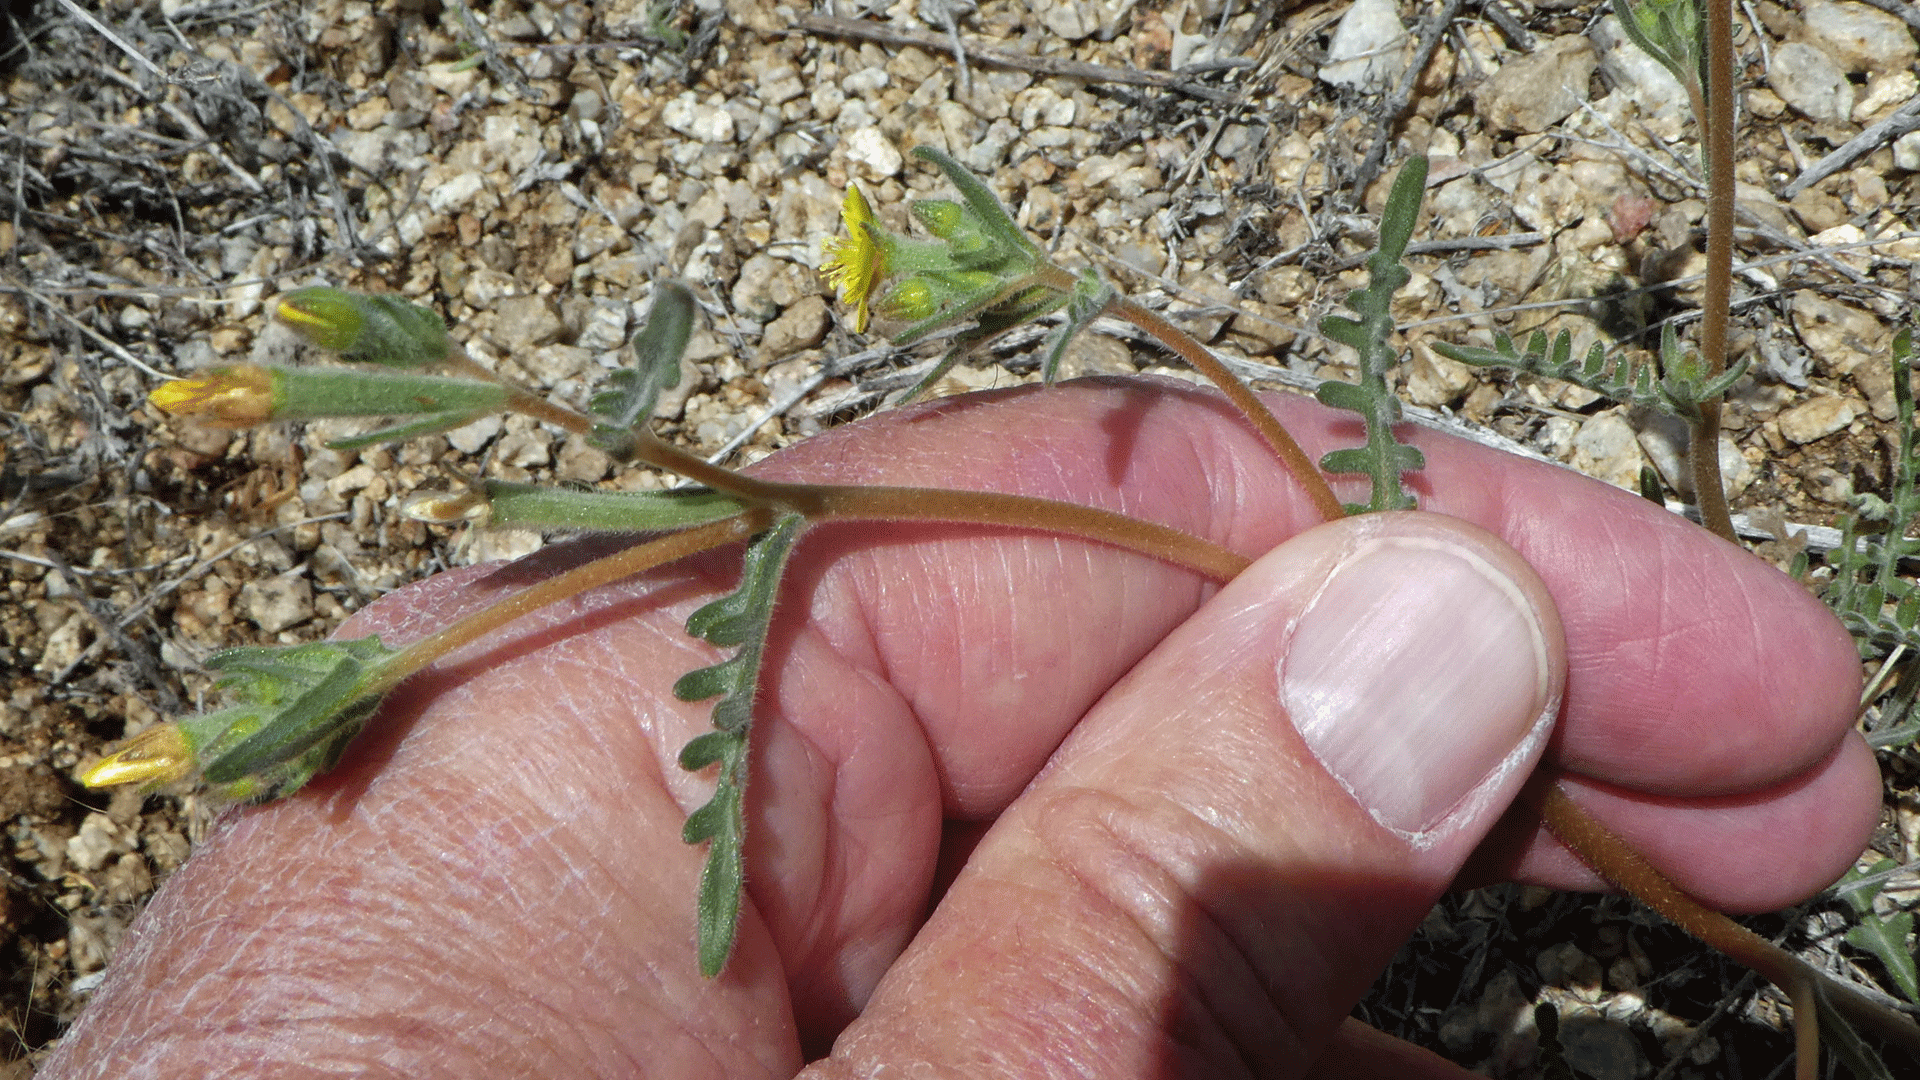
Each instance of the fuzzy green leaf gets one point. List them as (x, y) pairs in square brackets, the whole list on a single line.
[(1090, 297), (632, 392), (1384, 458), (741, 618)]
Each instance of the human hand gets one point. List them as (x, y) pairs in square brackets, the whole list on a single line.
[(493, 882)]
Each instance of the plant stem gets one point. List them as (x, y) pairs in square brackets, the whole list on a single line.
[(1170, 545), (519, 398), (827, 503), (1614, 859), (1305, 473), (634, 560), (1704, 448)]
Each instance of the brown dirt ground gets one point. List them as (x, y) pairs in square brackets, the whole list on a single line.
[(151, 204)]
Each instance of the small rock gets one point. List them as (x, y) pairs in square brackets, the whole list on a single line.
[(801, 326), (98, 840), (1818, 418), (1839, 336), (66, 645), (549, 365), (1808, 80), (471, 438), (1366, 52), (1885, 91), (1906, 151), (1435, 381), (869, 146), (524, 322), (581, 462), (277, 603), (1600, 1048), (781, 84), (1608, 449), (698, 120), (455, 193), (1859, 38), (1540, 89), (523, 449), (1639, 76), (606, 327)]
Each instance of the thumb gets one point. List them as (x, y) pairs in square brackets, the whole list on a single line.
[(1235, 840)]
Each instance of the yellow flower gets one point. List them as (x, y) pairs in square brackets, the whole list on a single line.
[(158, 755), (856, 262), (237, 397)]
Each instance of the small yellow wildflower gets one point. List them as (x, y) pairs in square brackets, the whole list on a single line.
[(237, 397), (158, 755), (856, 262)]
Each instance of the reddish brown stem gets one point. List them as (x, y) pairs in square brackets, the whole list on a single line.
[(1305, 473), (1615, 860), (1704, 444), (1170, 545), (623, 564)]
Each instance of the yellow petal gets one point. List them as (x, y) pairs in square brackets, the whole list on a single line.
[(857, 262)]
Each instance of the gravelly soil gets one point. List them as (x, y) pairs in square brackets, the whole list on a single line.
[(168, 170)]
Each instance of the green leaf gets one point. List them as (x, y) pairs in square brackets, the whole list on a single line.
[(1885, 937), (627, 403), (1845, 1042), (740, 618), (1402, 212), (1384, 458)]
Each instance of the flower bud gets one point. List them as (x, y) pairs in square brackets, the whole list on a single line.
[(942, 217), (375, 329), (156, 756), (236, 397)]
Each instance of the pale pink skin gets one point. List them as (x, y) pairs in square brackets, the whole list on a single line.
[(493, 883)]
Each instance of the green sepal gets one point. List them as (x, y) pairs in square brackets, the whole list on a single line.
[(741, 618), (627, 404), (988, 212), (1090, 297), (370, 328), (532, 506), (328, 393), (299, 707), (1669, 31)]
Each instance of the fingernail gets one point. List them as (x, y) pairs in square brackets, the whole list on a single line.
[(1415, 677)]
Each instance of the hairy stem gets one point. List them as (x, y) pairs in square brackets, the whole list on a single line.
[(1704, 446), (1167, 544), (1295, 459), (519, 398), (634, 560), (1614, 859), (828, 503)]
